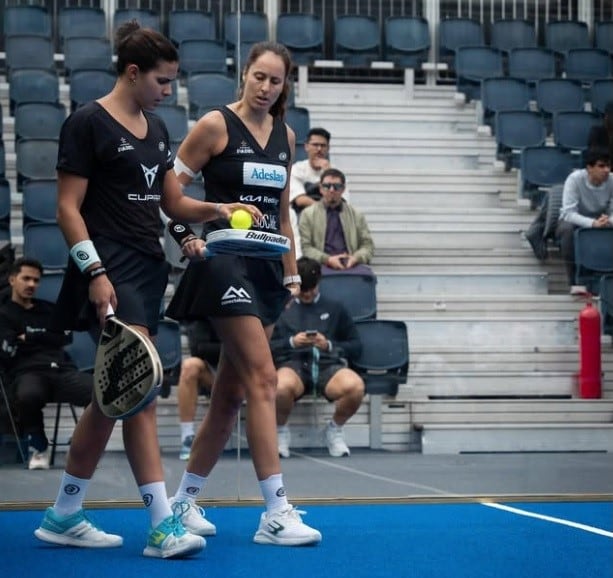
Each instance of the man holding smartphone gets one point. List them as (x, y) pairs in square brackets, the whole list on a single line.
[(312, 343)]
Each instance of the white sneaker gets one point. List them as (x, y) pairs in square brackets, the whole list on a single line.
[(335, 440), (285, 528), (74, 530), (39, 460), (192, 518), (284, 438), (578, 290)]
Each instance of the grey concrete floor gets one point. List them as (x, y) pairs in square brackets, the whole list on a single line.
[(365, 474)]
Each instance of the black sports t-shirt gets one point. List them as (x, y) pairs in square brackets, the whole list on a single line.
[(125, 173), (247, 173)]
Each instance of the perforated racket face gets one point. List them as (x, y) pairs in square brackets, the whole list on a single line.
[(247, 243), (128, 371)]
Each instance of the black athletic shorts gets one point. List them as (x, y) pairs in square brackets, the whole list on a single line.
[(303, 369), (139, 281), (229, 286)]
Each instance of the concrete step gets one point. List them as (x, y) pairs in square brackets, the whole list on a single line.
[(512, 437), (508, 331), (517, 411), (497, 384), (478, 306), (436, 284)]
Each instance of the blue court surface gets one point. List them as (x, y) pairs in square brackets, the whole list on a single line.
[(420, 539)]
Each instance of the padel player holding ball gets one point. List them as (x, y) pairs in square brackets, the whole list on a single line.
[(244, 151), (114, 173)]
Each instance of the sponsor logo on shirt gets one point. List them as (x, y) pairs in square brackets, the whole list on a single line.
[(150, 174), (264, 175), (244, 149), (234, 295), (124, 145), (259, 199)]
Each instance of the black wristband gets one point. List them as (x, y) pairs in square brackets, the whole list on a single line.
[(179, 232), (93, 273)]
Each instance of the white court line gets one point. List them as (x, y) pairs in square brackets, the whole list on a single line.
[(510, 509), (376, 476), (560, 521)]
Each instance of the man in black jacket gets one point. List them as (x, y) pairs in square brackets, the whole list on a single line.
[(34, 361), (312, 342)]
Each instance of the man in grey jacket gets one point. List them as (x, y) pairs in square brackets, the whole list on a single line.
[(333, 232), (587, 201)]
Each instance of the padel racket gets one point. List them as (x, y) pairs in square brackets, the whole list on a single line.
[(249, 243), (128, 373)]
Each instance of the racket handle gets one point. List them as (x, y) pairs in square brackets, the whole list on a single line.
[(109, 311)]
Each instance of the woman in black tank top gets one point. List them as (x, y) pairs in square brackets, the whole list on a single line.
[(244, 152)]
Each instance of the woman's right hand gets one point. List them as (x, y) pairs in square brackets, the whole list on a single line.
[(101, 294)]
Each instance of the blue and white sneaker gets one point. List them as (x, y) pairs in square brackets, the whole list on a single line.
[(169, 539), (74, 530)]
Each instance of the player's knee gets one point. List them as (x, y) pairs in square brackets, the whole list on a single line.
[(191, 368)]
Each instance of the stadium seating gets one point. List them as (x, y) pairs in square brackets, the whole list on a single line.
[(542, 167), (532, 65), (564, 35), (88, 85), (33, 85), (587, 64), (406, 41), (298, 118), (27, 19), (456, 32), (45, 242), (516, 130), (603, 35), (357, 40), (253, 28), (509, 34), (36, 159), (601, 92), (384, 360), (207, 91), (5, 210), (358, 293), (558, 94), (303, 35), (39, 201), (39, 120), (49, 287), (196, 56), (593, 256), (474, 64), (191, 25), (146, 18), (571, 129), (87, 53), (28, 51), (176, 119), (503, 93), (81, 21)]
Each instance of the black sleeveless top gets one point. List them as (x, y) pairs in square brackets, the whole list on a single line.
[(247, 173)]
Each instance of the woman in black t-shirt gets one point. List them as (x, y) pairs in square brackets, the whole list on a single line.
[(114, 174)]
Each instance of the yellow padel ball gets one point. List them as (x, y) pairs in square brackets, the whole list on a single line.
[(241, 219)]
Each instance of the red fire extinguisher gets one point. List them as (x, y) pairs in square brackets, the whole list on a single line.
[(589, 352)]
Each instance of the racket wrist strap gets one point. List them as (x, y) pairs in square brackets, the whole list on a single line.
[(180, 232), (291, 279), (84, 254)]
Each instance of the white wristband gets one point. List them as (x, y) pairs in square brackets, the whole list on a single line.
[(84, 254), (290, 279)]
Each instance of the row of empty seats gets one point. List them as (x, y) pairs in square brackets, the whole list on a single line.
[(550, 96), (476, 63)]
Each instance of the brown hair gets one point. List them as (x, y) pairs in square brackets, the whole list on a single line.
[(142, 46), (278, 108)]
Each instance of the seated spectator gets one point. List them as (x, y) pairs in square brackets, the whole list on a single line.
[(587, 201), (601, 137), (312, 342), (333, 232), (34, 361), (196, 378), (306, 174)]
